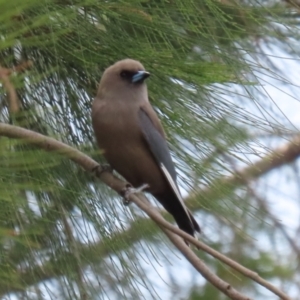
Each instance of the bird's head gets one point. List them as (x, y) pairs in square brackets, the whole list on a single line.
[(124, 77)]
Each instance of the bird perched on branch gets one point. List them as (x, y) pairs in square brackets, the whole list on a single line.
[(133, 141)]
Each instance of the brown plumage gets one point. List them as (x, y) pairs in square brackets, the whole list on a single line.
[(129, 132)]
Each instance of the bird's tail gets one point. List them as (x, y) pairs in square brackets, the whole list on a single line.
[(183, 217)]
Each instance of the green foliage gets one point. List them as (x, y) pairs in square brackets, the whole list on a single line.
[(59, 227)]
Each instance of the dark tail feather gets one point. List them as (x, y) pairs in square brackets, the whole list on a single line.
[(185, 222)]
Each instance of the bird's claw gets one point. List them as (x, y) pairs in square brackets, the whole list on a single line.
[(129, 190), (99, 169)]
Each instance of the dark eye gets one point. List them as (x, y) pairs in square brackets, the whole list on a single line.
[(125, 74)]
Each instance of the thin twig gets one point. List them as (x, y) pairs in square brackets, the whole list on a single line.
[(277, 158), (172, 233), (13, 101), (155, 215), (68, 232), (195, 261)]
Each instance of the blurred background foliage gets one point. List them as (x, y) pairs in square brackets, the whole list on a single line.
[(64, 235)]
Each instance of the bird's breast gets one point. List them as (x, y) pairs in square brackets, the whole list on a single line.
[(120, 138), (115, 125)]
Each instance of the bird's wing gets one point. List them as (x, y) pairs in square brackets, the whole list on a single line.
[(160, 151)]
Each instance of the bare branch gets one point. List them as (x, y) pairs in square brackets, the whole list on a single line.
[(277, 158), (197, 263), (155, 216), (13, 102)]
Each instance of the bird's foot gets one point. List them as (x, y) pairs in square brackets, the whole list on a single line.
[(99, 169), (129, 190)]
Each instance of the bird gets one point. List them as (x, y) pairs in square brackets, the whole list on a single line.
[(133, 141)]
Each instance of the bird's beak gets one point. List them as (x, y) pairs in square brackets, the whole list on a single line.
[(140, 76)]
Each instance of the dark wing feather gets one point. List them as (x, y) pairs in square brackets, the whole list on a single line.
[(159, 148)]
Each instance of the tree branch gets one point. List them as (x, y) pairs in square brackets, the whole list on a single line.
[(216, 281), (271, 161), (277, 158), (158, 219), (13, 101)]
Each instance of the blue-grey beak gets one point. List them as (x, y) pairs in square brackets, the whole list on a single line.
[(140, 76)]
